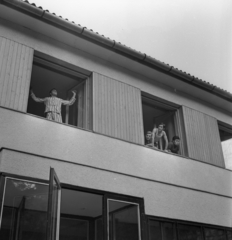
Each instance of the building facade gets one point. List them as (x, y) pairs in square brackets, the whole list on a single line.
[(92, 176)]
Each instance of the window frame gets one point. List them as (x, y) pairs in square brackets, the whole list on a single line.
[(4, 177), (178, 119), (60, 66), (177, 222), (105, 196), (228, 129)]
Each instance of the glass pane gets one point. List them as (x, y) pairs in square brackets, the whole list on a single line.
[(189, 232), (55, 197), (81, 216), (229, 235), (169, 231), (214, 234), (154, 230), (73, 229), (99, 229), (24, 213), (123, 221)]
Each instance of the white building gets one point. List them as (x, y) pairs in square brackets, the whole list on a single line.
[(107, 185)]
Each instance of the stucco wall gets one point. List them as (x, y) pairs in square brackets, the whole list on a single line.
[(171, 186), (90, 62)]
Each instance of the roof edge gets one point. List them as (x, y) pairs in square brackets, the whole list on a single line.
[(90, 35)]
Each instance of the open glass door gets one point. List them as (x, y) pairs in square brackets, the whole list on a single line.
[(54, 200)]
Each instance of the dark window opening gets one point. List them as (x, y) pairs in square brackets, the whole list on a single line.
[(47, 75), (81, 215), (32, 210), (189, 232), (225, 132), (175, 230), (156, 112), (123, 220), (24, 212), (214, 234)]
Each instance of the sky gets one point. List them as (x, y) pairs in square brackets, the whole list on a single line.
[(194, 36)]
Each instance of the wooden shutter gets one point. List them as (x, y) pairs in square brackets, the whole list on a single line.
[(15, 73), (202, 136), (117, 109)]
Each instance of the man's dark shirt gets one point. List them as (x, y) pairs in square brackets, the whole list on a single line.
[(173, 148)]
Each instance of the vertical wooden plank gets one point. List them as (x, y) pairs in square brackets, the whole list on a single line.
[(138, 114), (3, 55), (114, 115), (15, 76), (128, 113), (12, 72), (9, 60), (133, 114), (19, 78), (140, 117), (4, 67), (23, 79), (2, 44)]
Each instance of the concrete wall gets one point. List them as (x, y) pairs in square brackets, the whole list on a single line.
[(90, 62), (172, 186)]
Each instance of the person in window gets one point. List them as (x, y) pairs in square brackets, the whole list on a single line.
[(158, 135), (174, 146), (53, 104), (148, 139)]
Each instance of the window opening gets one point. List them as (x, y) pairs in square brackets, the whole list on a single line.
[(162, 125), (24, 210), (155, 230), (123, 220), (81, 215), (46, 76), (225, 132), (215, 234), (189, 232)]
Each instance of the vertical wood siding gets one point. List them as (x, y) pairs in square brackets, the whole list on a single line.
[(202, 135), (15, 74), (117, 109), (88, 104)]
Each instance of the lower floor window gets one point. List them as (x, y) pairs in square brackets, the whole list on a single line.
[(174, 230), (123, 220), (24, 210), (86, 215), (82, 215)]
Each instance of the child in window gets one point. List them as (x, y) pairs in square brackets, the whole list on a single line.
[(174, 146), (158, 134), (148, 139)]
